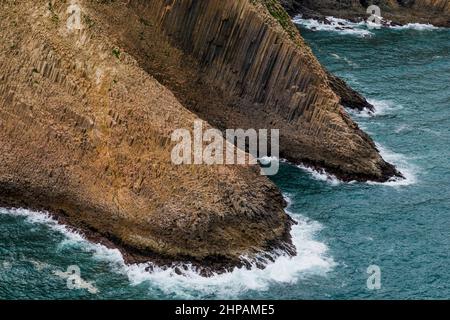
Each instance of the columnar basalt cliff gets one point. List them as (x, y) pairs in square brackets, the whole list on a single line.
[(86, 118), (436, 12), (85, 133), (243, 64)]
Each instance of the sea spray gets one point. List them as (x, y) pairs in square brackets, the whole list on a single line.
[(321, 175), (312, 259), (403, 164), (333, 24)]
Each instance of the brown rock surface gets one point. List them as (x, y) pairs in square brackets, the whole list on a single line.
[(85, 133), (436, 12), (349, 97), (86, 117)]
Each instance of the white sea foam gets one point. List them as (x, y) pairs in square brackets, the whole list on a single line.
[(381, 108), (321, 175), (343, 26), (403, 164), (416, 26), (338, 57), (288, 199), (333, 24), (312, 258)]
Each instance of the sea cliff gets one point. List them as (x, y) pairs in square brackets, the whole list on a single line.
[(86, 116)]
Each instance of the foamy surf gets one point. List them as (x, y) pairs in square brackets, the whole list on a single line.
[(361, 29), (415, 26), (381, 108), (312, 259), (402, 163), (333, 24)]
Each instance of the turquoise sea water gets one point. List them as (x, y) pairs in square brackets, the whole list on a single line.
[(403, 227)]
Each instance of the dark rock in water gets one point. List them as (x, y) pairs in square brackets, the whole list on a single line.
[(87, 113), (288, 89), (86, 130), (349, 97)]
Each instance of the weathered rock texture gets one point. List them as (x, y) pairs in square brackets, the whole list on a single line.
[(85, 133), (86, 117), (243, 64), (349, 97), (436, 12)]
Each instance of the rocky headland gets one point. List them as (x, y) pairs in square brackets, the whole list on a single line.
[(87, 113), (397, 12)]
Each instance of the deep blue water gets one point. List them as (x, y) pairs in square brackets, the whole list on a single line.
[(402, 227)]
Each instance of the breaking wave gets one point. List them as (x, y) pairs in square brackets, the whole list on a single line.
[(403, 164), (361, 29), (321, 175), (416, 26), (312, 259), (341, 26)]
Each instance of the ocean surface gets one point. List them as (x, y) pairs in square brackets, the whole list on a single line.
[(402, 227)]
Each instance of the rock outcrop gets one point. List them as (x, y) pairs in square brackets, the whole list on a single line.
[(86, 134), (87, 111), (243, 64), (349, 97), (436, 12)]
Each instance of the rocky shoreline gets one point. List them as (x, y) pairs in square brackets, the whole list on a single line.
[(207, 266), (394, 12), (86, 117)]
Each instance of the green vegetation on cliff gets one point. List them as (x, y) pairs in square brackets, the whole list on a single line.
[(277, 11)]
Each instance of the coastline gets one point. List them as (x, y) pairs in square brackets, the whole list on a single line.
[(392, 15), (103, 174), (205, 267), (339, 226)]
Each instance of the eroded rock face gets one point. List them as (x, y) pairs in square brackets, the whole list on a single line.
[(243, 64), (85, 133)]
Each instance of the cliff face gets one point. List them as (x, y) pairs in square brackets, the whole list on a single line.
[(436, 12), (243, 64), (85, 133), (86, 117)]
